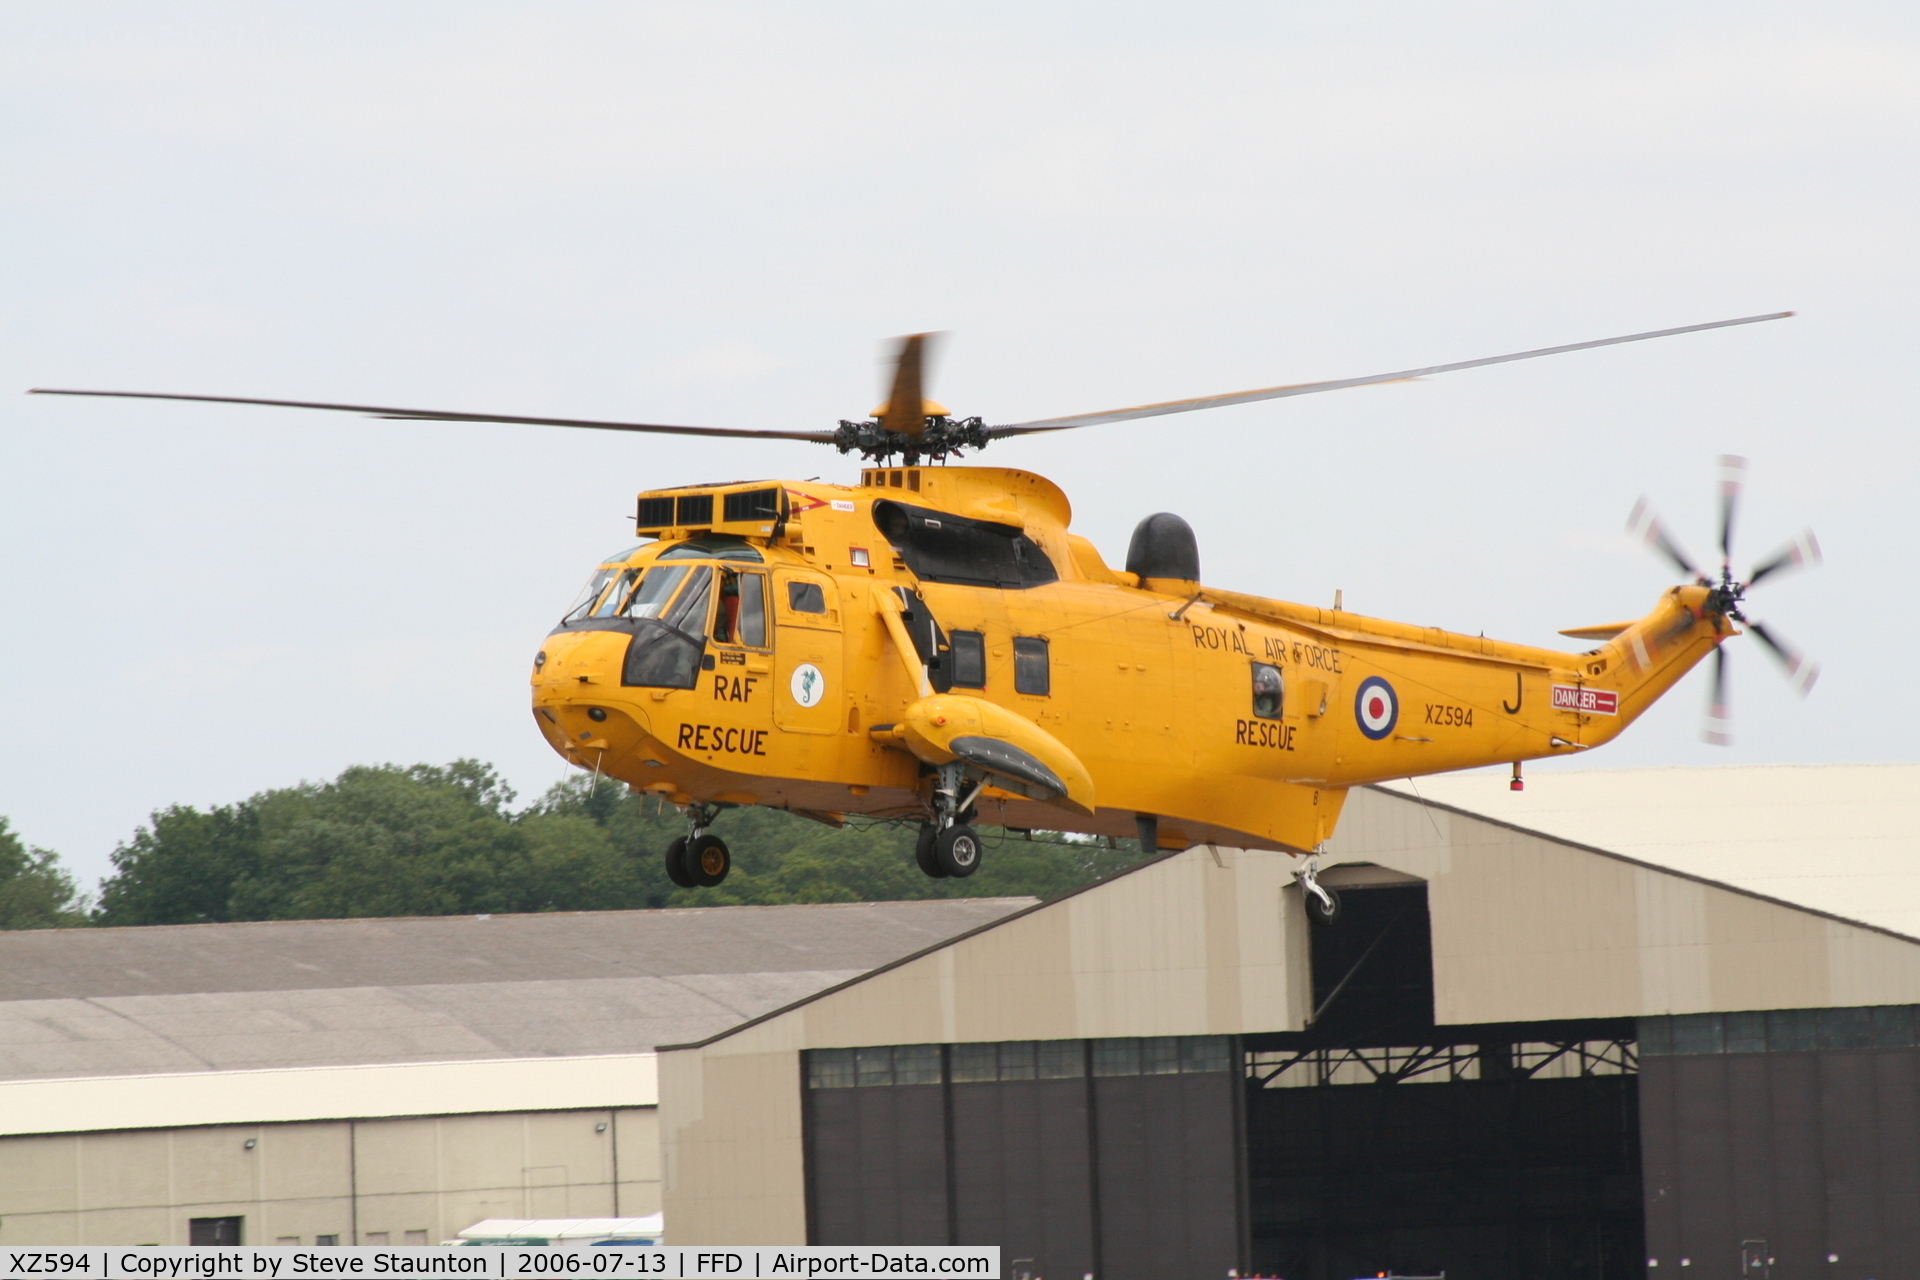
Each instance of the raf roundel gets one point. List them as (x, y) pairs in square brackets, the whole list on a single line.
[(808, 685), (1376, 707)]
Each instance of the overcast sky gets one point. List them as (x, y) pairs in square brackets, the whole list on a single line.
[(713, 213)]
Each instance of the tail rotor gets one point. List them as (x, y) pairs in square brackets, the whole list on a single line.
[(1726, 596)]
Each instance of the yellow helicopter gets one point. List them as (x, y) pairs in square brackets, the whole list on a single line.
[(935, 644)]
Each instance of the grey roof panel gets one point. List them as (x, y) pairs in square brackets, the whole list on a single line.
[(347, 992)]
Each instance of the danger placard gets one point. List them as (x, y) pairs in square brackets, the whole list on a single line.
[(1593, 702)]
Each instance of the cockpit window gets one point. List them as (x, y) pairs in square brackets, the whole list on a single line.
[(616, 594), (689, 612), (712, 547), (655, 590), (742, 615), (753, 610), (583, 603)]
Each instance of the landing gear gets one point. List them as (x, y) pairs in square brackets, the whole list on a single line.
[(957, 850), (708, 860), (923, 852), (698, 860), (677, 865), (1323, 904), (949, 846)]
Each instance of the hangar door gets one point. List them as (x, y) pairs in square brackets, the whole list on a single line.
[(1114, 1157), (1379, 1143)]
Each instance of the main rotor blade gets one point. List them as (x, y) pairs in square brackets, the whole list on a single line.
[(1801, 673), (438, 415), (1733, 476), (1308, 388), (1646, 526), (1803, 550), (1718, 728), (906, 404)]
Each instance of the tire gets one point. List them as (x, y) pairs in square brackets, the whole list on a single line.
[(677, 865), (708, 861), (1318, 912), (923, 853), (957, 850)]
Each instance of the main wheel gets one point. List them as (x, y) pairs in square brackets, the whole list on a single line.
[(677, 865), (708, 861), (1319, 912), (923, 852), (957, 850)]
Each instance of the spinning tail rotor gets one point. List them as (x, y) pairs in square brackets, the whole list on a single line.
[(1727, 595)]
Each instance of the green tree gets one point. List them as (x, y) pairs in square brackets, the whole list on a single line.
[(780, 858), (35, 890), (445, 840), (183, 868)]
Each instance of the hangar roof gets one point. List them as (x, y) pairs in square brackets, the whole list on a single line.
[(220, 997), (1843, 840)]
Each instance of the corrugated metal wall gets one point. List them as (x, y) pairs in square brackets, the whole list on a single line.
[(1782, 1145), (1125, 1163), (1021, 1154)]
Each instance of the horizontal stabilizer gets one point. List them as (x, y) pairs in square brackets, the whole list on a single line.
[(1605, 632)]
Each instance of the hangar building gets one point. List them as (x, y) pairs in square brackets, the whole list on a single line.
[(1654, 1022), (381, 1081)]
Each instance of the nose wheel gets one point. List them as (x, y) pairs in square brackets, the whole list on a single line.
[(699, 859)]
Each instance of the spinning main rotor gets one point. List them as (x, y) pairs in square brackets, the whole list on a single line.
[(910, 426)]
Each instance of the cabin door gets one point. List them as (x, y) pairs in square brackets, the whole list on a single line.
[(809, 694)]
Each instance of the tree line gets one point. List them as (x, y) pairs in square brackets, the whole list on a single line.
[(387, 840)]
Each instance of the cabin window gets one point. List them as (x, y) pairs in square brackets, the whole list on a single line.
[(968, 655), (1267, 690), (1030, 669), (655, 590), (806, 597)]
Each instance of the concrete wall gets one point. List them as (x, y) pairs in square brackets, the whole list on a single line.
[(734, 1156), (432, 1175)]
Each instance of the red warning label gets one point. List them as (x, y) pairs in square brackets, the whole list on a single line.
[(1593, 702)]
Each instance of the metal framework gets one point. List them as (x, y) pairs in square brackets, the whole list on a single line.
[(1442, 1063)]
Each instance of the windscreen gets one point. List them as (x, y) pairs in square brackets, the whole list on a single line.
[(616, 594), (655, 590), (583, 603)]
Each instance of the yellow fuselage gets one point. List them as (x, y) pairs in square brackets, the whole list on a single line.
[(1150, 685)]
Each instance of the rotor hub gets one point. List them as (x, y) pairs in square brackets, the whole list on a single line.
[(941, 438)]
